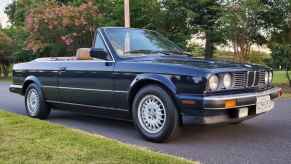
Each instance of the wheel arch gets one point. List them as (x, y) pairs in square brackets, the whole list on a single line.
[(149, 79), (29, 80)]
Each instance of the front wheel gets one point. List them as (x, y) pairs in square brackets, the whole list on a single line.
[(34, 102), (155, 114)]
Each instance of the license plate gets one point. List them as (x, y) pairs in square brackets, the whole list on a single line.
[(264, 104)]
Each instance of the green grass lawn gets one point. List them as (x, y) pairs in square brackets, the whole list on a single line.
[(26, 140), (5, 79), (281, 80), (280, 77)]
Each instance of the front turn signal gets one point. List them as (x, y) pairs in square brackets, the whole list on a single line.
[(229, 104)]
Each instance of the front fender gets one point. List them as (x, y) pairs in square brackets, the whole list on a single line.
[(28, 80), (33, 79), (164, 80)]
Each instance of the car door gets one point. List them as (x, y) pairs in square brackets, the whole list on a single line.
[(87, 82)]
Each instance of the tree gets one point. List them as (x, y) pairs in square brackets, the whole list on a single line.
[(245, 23), (281, 36), (6, 49), (172, 22), (18, 9), (281, 55), (56, 30), (249, 22), (202, 16), (18, 34), (156, 15)]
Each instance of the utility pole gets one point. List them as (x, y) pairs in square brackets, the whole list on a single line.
[(126, 13)]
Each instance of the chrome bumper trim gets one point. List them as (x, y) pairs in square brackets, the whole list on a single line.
[(16, 86), (240, 106), (239, 96)]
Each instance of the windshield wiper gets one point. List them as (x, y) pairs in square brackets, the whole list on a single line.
[(165, 52)]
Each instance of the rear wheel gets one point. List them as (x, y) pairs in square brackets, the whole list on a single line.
[(155, 114), (34, 102)]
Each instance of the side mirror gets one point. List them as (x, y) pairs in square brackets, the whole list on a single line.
[(98, 53)]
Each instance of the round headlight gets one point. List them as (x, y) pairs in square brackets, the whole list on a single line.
[(270, 77), (227, 81), (266, 77), (213, 82)]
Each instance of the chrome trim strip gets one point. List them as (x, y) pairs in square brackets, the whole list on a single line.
[(241, 106), (247, 80), (243, 95), (106, 44), (90, 106), (84, 89), (16, 86), (91, 61), (255, 75)]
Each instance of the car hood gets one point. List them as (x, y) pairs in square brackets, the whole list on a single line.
[(200, 63)]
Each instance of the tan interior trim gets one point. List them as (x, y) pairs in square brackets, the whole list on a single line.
[(83, 54)]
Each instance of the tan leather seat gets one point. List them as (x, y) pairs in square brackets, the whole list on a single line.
[(84, 54)]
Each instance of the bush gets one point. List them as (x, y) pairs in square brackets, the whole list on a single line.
[(258, 57), (224, 55), (195, 49)]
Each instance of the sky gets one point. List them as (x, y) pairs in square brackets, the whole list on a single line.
[(3, 16)]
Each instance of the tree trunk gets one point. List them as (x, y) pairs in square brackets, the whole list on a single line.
[(5, 70), (209, 46), (288, 76)]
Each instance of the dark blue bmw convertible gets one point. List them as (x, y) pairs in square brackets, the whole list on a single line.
[(139, 75)]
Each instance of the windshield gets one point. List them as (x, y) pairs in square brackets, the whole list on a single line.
[(138, 42)]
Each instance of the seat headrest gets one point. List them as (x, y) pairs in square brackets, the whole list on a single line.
[(83, 54)]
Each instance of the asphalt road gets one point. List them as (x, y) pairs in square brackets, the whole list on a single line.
[(262, 140)]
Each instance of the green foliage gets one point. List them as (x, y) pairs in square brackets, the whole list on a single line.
[(281, 55), (244, 24), (202, 16), (224, 55), (56, 30), (280, 78), (195, 49), (281, 39), (51, 27), (254, 57), (173, 22), (6, 50), (19, 9), (257, 57), (18, 34)]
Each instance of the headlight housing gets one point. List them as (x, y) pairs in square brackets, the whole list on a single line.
[(227, 81), (213, 82), (270, 77)]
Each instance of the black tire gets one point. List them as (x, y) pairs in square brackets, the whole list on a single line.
[(170, 127), (236, 122), (42, 110)]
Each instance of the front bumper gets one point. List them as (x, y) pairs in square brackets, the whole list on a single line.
[(15, 89), (212, 109)]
